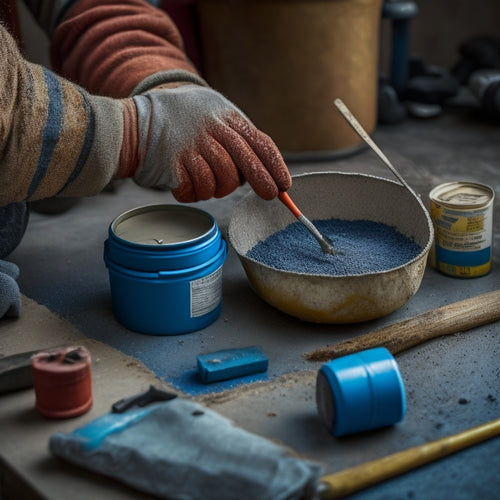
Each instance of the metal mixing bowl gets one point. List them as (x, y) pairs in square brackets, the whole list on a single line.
[(334, 299)]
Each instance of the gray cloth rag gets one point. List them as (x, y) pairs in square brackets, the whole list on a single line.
[(10, 296), (181, 450), (13, 222)]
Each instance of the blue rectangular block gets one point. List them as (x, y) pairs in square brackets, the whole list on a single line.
[(231, 363)]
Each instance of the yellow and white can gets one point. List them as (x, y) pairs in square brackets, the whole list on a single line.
[(462, 214)]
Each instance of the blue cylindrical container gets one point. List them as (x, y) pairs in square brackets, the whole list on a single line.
[(360, 392), (165, 269)]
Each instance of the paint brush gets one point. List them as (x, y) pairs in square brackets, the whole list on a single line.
[(325, 242)]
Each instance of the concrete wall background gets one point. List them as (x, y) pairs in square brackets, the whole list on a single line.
[(442, 25)]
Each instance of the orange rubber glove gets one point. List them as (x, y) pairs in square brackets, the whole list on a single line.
[(197, 143)]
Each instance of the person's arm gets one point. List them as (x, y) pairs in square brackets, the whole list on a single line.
[(110, 46), (55, 137), (192, 140), (189, 139)]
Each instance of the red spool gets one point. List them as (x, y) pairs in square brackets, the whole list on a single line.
[(62, 381)]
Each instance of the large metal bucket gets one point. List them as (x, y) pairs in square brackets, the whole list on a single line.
[(334, 299)]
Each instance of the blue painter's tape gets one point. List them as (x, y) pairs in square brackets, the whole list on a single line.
[(93, 433), (231, 363)]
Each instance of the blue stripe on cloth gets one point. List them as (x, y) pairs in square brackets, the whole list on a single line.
[(86, 146), (51, 131)]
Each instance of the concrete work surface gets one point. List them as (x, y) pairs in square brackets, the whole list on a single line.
[(452, 383)]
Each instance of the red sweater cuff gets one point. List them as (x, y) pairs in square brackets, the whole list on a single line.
[(129, 158)]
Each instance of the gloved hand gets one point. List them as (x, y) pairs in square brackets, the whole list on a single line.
[(197, 143), (10, 296)]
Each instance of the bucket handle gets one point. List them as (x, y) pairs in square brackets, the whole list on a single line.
[(353, 122)]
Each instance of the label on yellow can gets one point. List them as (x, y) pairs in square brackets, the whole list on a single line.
[(462, 213)]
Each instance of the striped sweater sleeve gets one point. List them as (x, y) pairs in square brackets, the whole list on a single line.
[(55, 138), (110, 46)]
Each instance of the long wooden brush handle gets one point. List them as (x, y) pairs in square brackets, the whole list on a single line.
[(357, 478), (457, 317)]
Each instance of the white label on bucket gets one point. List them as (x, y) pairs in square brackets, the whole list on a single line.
[(206, 293)]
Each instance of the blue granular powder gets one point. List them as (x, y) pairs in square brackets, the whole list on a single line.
[(364, 247)]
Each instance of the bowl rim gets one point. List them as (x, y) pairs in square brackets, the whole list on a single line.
[(423, 253)]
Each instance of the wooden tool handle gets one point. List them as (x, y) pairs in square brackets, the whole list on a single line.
[(357, 478), (457, 317)]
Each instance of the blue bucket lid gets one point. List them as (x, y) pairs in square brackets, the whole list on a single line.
[(162, 237)]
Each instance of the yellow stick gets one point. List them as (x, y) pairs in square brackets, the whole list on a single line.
[(357, 478)]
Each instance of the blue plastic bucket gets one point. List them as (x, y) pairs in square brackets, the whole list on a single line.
[(360, 392), (165, 269)]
